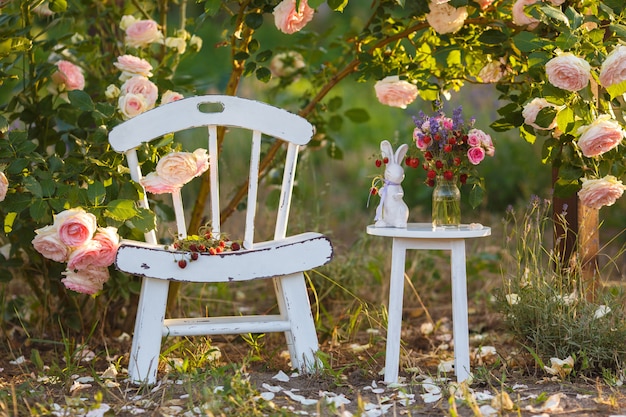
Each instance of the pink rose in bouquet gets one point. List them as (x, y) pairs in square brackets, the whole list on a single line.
[(75, 226), (48, 243), (597, 193), (568, 72), (392, 91), (131, 65), (475, 155), (68, 76), (142, 33), (289, 20), (613, 70), (139, 85), (444, 18), (87, 281), (602, 135), (520, 18)]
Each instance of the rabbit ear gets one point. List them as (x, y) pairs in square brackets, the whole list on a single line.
[(401, 152), (386, 149)]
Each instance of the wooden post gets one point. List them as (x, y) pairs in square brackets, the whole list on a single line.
[(577, 238)]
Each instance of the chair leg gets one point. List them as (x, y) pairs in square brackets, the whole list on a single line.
[(146, 347), (293, 302)]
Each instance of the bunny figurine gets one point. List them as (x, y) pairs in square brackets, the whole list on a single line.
[(392, 210)]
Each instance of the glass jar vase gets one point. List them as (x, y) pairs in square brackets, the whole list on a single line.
[(446, 203)]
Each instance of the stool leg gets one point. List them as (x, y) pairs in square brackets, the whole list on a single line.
[(394, 325), (459, 311)]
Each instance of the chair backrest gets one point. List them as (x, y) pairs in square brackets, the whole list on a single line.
[(212, 112)]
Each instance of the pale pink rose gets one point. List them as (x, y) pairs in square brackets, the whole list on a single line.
[(170, 96), (444, 18), (141, 86), (131, 105), (155, 184), (520, 18), (88, 281), (4, 186), (68, 76), (285, 64), (532, 109), (75, 226), (109, 243), (176, 43), (179, 168), (85, 256), (393, 92), (112, 91), (492, 72), (596, 193), (48, 243), (602, 135), (126, 21), (289, 20), (484, 3), (131, 65), (142, 33), (613, 70), (476, 155), (568, 72)]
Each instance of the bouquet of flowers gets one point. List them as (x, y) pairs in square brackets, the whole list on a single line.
[(452, 148)]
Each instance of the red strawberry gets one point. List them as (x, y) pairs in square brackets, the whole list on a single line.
[(448, 175), (378, 163), (222, 244), (447, 148), (212, 251), (439, 164), (235, 246), (182, 264), (201, 248), (194, 256), (415, 162), (431, 174), (386, 160), (193, 247), (463, 178)]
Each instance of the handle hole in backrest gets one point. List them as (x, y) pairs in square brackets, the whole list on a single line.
[(211, 107)]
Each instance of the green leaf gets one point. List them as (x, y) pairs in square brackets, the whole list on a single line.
[(337, 5), (211, 7), (314, 4), (38, 210), (17, 165), (476, 196), (264, 56), (145, 220), (334, 151), (493, 37), (81, 100), (564, 118), (33, 186), (335, 122), (545, 117), (618, 30), (570, 172), (96, 193), (254, 20), (565, 188), (554, 13), (357, 115), (57, 6), (528, 42), (263, 74), (616, 90), (4, 124), (526, 135), (335, 103), (121, 210), (8, 222)]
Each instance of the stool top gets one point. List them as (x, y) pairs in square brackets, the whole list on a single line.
[(426, 231)]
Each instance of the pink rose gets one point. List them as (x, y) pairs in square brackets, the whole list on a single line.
[(85, 256), (155, 184), (475, 155), (492, 72), (170, 96), (532, 109), (88, 281), (48, 243), (141, 86), (485, 3), (4, 186), (395, 93), (131, 105), (285, 64), (418, 136), (142, 33), (444, 18), (478, 138), (520, 18), (602, 135), (131, 65), (568, 72), (613, 70), (109, 241), (289, 20), (68, 76), (596, 193), (75, 226)]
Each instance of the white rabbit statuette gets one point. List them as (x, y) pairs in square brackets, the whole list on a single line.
[(392, 211)]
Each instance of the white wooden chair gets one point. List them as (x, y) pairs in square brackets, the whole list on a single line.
[(284, 258)]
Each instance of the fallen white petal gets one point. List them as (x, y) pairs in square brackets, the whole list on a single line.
[(356, 348), (84, 379), (430, 397), (551, 405), (98, 412), (281, 376), (77, 386), (272, 388), (299, 398), (110, 372), (488, 411), (446, 366), (519, 386), (483, 396), (18, 361), (601, 311), (268, 396)]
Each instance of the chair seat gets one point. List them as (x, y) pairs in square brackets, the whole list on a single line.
[(286, 256)]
